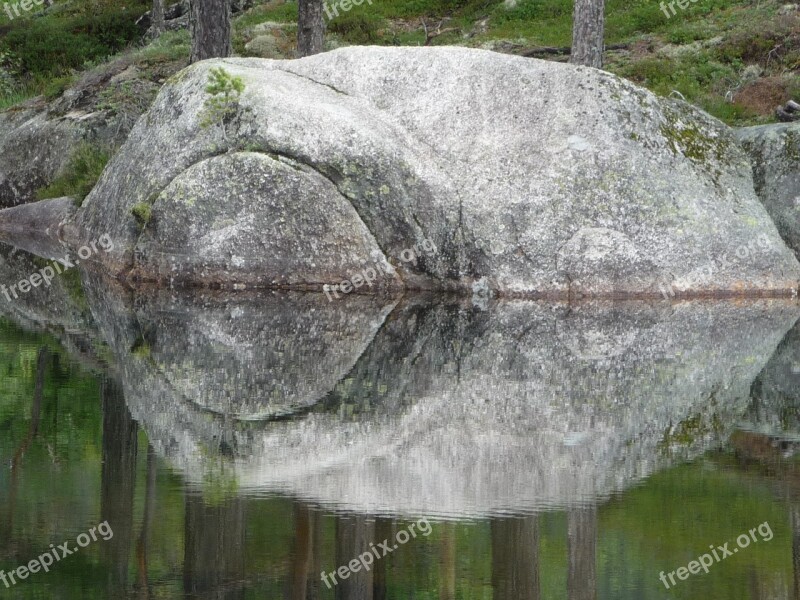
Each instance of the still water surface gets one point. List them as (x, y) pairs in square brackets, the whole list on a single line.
[(238, 446)]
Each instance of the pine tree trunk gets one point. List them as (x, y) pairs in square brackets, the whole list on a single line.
[(157, 18), (210, 25), (310, 28), (587, 33)]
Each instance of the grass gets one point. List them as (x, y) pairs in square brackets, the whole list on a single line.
[(80, 175), (716, 42), (143, 212), (41, 51), (171, 46), (703, 52)]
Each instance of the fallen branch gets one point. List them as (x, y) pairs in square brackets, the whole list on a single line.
[(564, 50), (429, 35)]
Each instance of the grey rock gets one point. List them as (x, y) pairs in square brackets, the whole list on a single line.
[(34, 149), (264, 45), (542, 178), (775, 409), (38, 139), (775, 154)]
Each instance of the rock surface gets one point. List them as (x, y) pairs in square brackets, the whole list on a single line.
[(529, 177), (39, 138), (775, 152)]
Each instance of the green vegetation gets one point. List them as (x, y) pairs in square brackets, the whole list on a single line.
[(358, 28), (80, 175), (710, 53), (39, 47), (171, 46), (143, 212), (222, 105)]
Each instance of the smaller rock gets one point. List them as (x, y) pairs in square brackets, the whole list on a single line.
[(788, 112), (264, 46)]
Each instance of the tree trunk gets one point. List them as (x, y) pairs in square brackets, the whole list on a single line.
[(587, 33), (210, 24), (310, 28), (794, 516), (515, 558), (214, 549), (157, 18), (353, 537), (582, 554), (117, 484)]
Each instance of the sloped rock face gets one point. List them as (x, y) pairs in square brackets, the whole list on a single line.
[(38, 139), (775, 152), (33, 150), (528, 177)]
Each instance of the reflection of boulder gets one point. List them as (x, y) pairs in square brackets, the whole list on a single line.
[(775, 408), (59, 306), (247, 358), (449, 410)]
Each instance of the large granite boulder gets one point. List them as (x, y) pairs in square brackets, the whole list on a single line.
[(525, 176), (775, 152)]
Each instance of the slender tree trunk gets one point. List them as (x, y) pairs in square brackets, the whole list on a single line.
[(794, 516), (447, 562), (157, 18), (515, 558), (310, 28), (33, 430), (118, 484), (587, 33), (582, 553), (143, 542), (210, 24), (306, 561), (214, 545), (353, 536)]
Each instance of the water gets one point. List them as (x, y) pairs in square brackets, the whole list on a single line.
[(240, 446)]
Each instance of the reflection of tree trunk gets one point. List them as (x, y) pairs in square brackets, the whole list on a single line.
[(383, 531), (306, 559), (33, 429), (213, 565), (447, 563), (515, 558), (794, 515), (353, 537), (581, 547), (147, 521), (118, 482)]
